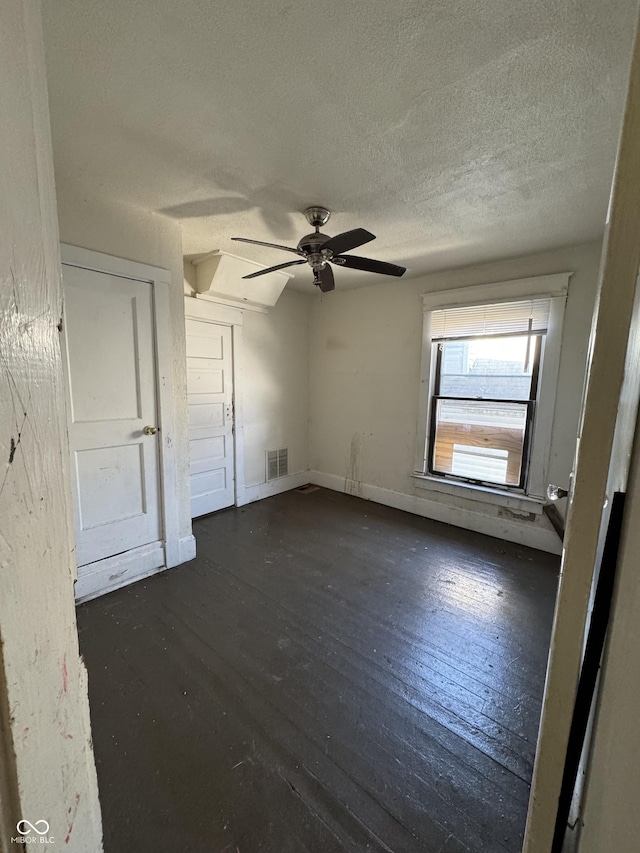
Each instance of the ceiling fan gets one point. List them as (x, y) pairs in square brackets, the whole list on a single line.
[(318, 250)]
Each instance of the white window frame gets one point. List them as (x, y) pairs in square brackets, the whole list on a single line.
[(555, 287)]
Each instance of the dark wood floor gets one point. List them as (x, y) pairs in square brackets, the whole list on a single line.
[(327, 675)]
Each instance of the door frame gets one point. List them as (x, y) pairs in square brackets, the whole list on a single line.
[(601, 405), (160, 281), (206, 311)]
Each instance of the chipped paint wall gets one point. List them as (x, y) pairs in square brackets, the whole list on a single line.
[(45, 742), (365, 370)]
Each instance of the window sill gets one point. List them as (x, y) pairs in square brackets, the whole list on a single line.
[(501, 497)]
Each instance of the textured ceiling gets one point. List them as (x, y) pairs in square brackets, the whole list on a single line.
[(456, 130)]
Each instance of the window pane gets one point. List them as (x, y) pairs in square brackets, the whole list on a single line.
[(480, 440), (487, 367)]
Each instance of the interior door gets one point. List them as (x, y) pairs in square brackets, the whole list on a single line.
[(110, 355), (210, 402)]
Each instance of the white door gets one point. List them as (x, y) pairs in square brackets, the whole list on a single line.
[(109, 340), (210, 402)]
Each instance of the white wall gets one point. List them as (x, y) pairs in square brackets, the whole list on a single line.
[(365, 371), (276, 384), (47, 769), (126, 232)]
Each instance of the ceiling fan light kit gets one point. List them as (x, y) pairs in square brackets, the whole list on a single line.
[(319, 250)]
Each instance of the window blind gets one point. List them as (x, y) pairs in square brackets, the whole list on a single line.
[(504, 318)]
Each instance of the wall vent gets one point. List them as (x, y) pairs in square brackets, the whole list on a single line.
[(277, 463)]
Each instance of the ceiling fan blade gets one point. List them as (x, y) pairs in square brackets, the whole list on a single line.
[(273, 269), (272, 245), (326, 279), (369, 265), (348, 240)]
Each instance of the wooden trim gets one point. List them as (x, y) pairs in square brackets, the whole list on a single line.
[(535, 534), (427, 387), (556, 288), (590, 670), (547, 391), (556, 518), (237, 338), (166, 406), (74, 256), (512, 499), (231, 303), (126, 568), (212, 312), (507, 291), (187, 548), (9, 783), (606, 368), (274, 487), (52, 769)]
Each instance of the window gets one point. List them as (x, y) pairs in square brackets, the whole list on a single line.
[(489, 371), (487, 361)]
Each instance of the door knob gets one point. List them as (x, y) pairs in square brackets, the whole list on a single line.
[(149, 430), (554, 493)]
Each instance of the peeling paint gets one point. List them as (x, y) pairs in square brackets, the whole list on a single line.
[(353, 486), (15, 442), (505, 512), (42, 700), (73, 811)]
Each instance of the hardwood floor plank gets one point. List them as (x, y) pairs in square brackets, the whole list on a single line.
[(316, 695), (478, 730), (327, 675)]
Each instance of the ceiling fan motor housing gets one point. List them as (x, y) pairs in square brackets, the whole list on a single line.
[(310, 244)]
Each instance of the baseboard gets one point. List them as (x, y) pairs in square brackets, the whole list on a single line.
[(524, 533), (249, 494), (571, 839), (556, 518), (115, 572), (187, 549)]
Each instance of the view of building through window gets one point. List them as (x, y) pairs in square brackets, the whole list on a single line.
[(484, 392)]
